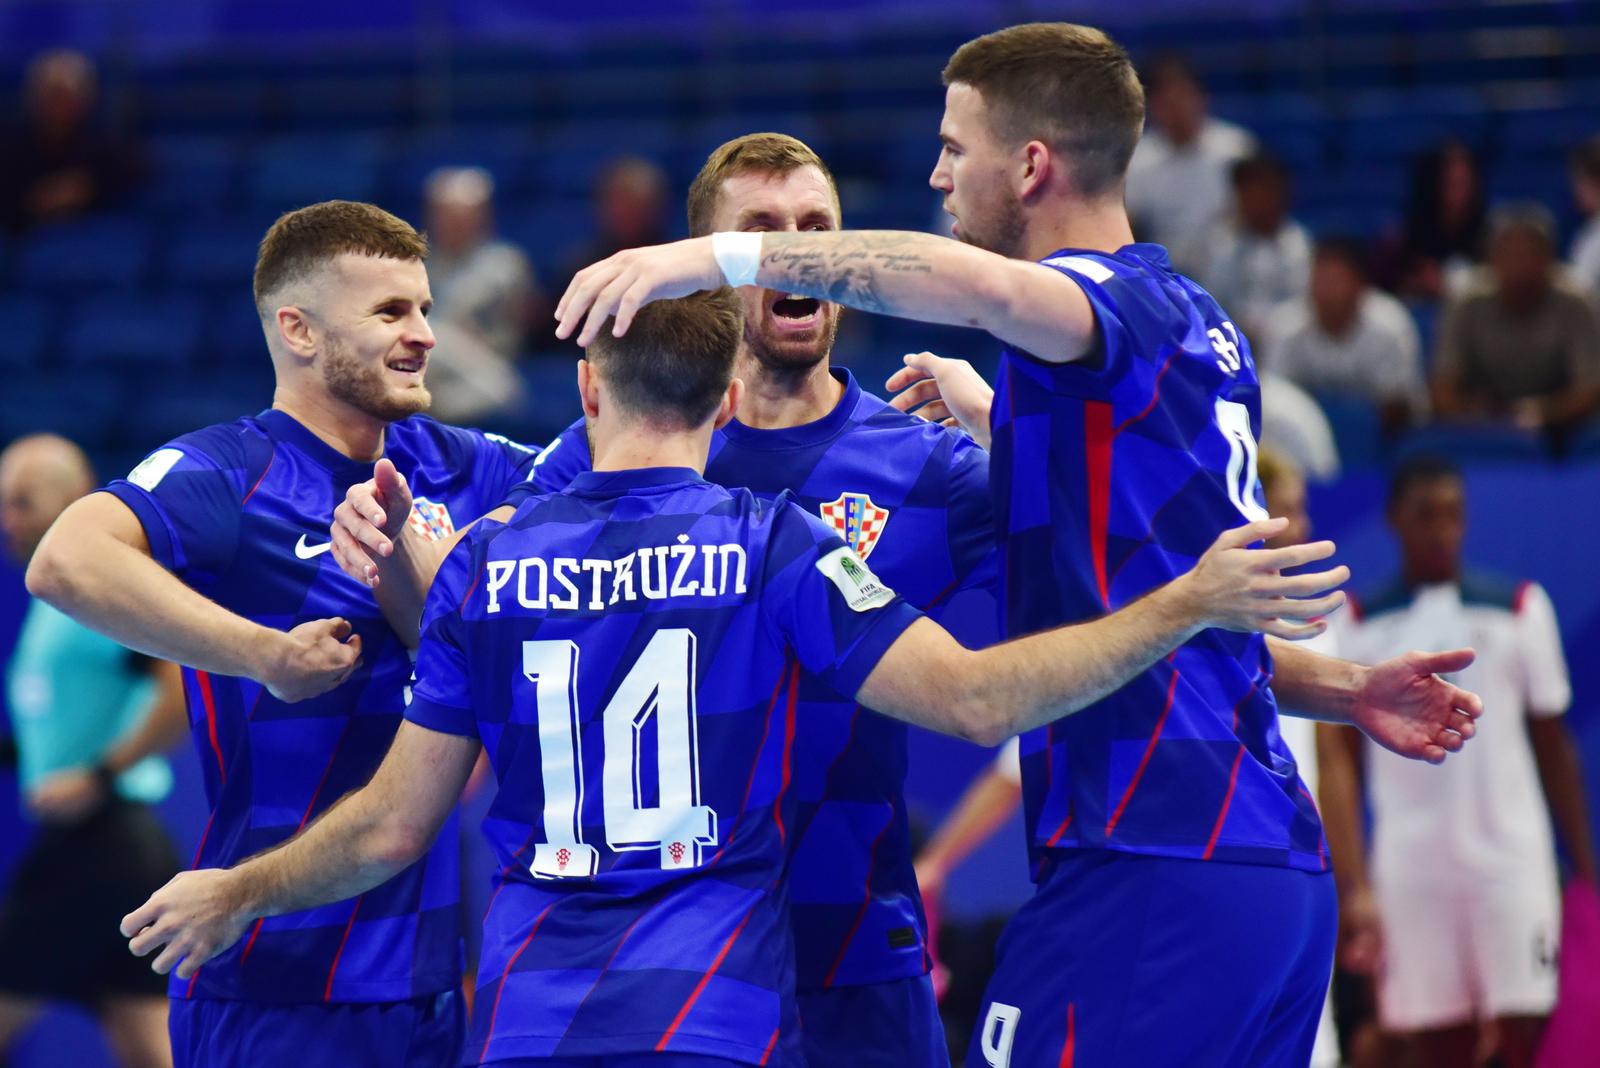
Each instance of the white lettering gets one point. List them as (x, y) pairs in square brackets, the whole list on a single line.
[(684, 555), (532, 563), (653, 573), (726, 552), (555, 584), (564, 566), (499, 574), (999, 1031), (596, 568), (622, 579)]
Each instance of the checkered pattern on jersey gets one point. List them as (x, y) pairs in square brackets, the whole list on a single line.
[(631, 946), (1112, 476), (854, 903), (239, 511)]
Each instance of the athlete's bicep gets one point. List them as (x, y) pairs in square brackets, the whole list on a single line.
[(103, 513), (1044, 313)]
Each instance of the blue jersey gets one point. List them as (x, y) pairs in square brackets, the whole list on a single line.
[(240, 511), (913, 499), (1112, 476), (629, 651)]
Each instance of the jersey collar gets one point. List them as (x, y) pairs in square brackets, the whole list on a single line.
[(634, 480), (281, 426), (819, 432), (1148, 251)]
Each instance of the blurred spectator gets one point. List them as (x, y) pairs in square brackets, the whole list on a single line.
[(1294, 424), (1585, 171), (485, 297), (58, 163), (1522, 343), (1178, 178), (630, 204), (1347, 337), (1444, 224), (1259, 257), (1459, 916)]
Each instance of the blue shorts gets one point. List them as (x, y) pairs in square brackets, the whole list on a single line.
[(421, 1033), (1125, 959), (876, 1025)]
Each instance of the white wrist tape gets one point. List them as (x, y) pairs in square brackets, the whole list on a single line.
[(739, 256)]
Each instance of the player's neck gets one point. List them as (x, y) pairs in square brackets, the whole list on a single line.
[(349, 430), (1101, 225), (776, 398), (646, 445)]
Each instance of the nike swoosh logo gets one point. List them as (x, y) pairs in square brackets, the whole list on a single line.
[(306, 552)]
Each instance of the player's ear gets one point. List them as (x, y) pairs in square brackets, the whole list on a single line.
[(294, 329), (730, 403), (588, 389), (1034, 166)]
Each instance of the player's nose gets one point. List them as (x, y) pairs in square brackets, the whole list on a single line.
[(420, 333)]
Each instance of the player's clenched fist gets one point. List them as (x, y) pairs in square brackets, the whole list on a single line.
[(368, 522), (197, 915), (310, 660), (1238, 588)]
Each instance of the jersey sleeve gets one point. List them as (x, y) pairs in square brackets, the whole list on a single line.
[(825, 603), (1127, 309), (563, 460), (502, 464), (188, 495), (1548, 691), (974, 548), (441, 697)]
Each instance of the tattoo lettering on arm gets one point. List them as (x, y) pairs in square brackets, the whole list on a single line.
[(850, 268)]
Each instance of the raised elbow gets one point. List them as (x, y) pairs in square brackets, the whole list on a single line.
[(48, 575), (402, 844), (980, 717)]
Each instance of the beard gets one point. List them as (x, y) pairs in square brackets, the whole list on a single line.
[(361, 386), (791, 356), (1000, 229)]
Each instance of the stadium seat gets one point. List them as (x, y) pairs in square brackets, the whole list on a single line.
[(214, 255), (99, 253), (85, 408), (191, 176), (1467, 443), (197, 401), (292, 172), (30, 326), (160, 332)]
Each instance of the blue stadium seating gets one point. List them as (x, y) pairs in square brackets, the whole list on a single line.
[(30, 326), (291, 172), (133, 331), (215, 255), (85, 408), (109, 252), (191, 176), (1472, 444)]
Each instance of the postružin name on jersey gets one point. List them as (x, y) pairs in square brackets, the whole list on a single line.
[(567, 583)]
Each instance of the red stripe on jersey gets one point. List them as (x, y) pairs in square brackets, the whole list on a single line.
[(1097, 434), (699, 987), (766, 729), (500, 990), (251, 942), (1155, 394), (1227, 799), (461, 607), (311, 804), (195, 863), (1066, 1047), (188, 991), (772, 1044), (788, 752), (327, 993), (271, 457), (1150, 747), (204, 682), (1322, 854), (1061, 830), (866, 903)]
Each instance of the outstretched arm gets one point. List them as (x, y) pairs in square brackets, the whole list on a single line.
[(358, 843), (892, 272), (94, 564), (1402, 703), (928, 678)]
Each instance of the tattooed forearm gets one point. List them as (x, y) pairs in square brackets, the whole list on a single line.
[(854, 269)]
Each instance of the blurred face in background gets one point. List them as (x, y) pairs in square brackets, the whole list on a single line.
[(781, 332), (38, 479), (61, 92), (1286, 498), (1430, 519), (373, 335), (631, 203), (1458, 183), (459, 211), (1177, 105), (1336, 290), (1522, 261), (973, 173), (1263, 202)]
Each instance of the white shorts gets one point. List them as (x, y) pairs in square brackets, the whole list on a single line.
[(1476, 951)]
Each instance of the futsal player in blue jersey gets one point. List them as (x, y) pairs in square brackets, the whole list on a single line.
[(1123, 431), (626, 653), (213, 553), (908, 497)]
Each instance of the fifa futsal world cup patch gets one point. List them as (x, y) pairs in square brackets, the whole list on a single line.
[(861, 588), (859, 522), (430, 520)]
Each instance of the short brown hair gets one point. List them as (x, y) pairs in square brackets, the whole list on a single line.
[(1070, 86), (757, 153), (674, 364), (305, 239)]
